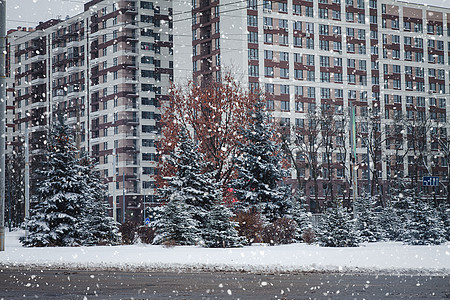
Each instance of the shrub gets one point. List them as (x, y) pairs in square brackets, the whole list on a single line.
[(250, 226), (308, 236), (128, 231), (282, 231), (146, 234)]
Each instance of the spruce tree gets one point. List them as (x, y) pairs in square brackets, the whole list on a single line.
[(59, 201), (336, 228), (391, 224), (198, 196), (259, 170), (367, 224), (424, 225), (220, 231), (174, 221), (300, 215), (100, 227)]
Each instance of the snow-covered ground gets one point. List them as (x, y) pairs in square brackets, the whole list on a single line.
[(389, 257)]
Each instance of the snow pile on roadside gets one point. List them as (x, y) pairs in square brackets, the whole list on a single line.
[(389, 257)]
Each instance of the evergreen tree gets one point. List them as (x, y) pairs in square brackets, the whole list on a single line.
[(100, 227), (197, 195), (175, 222), (68, 207), (59, 201), (300, 215), (259, 166), (444, 213), (367, 224), (336, 229), (424, 226), (220, 230), (391, 224)]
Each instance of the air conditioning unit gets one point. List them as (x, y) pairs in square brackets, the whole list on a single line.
[(267, 10), (266, 26), (270, 27)]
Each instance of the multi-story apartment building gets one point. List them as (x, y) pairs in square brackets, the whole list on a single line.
[(387, 60), (106, 70)]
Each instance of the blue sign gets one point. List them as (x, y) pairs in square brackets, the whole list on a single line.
[(430, 181), (147, 221)]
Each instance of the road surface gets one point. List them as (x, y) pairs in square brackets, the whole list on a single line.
[(66, 284)]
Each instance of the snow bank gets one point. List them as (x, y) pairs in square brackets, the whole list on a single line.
[(389, 257)]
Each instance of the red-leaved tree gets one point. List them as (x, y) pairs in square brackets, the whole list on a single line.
[(214, 116)]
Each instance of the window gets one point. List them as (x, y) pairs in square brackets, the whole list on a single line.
[(253, 54), (325, 93), (269, 88), (310, 60), (252, 37), (311, 93), (253, 71), (349, 17), (297, 25), (299, 106), (268, 71), (324, 77), (324, 61), (338, 62), (285, 105), (299, 91), (310, 76), (323, 29), (284, 72), (309, 11), (268, 38), (298, 74), (252, 20), (297, 9), (284, 89), (336, 14), (323, 13), (268, 54), (324, 45)]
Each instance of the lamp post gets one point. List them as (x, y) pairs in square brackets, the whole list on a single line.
[(2, 120)]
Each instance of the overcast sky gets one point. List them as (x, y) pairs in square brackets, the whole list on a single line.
[(29, 12)]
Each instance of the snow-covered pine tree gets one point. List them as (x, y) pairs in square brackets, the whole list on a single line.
[(100, 227), (174, 222), (424, 225), (58, 205), (336, 228), (195, 190), (391, 224), (444, 213), (300, 215), (220, 231), (260, 171), (367, 225)]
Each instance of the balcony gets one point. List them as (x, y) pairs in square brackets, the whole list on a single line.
[(131, 162), (37, 81), (58, 50), (93, 62), (131, 25), (37, 58), (131, 10), (59, 74), (131, 79), (132, 121), (73, 44)]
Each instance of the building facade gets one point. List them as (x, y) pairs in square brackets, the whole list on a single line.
[(106, 72), (321, 61)]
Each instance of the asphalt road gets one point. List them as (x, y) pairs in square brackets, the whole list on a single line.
[(60, 284)]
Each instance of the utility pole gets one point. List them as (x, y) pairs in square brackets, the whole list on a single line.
[(2, 120), (354, 158), (114, 186), (27, 173)]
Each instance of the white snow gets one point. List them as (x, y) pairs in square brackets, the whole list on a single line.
[(382, 257)]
